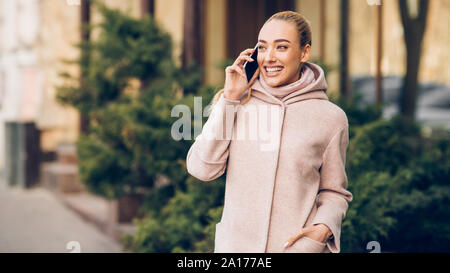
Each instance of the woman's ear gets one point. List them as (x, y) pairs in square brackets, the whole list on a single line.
[(305, 53)]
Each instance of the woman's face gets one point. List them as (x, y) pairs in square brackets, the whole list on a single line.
[(279, 54)]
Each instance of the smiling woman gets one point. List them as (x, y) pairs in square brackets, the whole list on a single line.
[(280, 57), (294, 45), (293, 197)]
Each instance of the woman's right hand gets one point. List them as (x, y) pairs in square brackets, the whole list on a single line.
[(235, 78)]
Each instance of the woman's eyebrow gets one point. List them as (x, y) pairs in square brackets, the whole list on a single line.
[(276, 41)]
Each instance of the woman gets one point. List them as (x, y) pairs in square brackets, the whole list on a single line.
[(289, 195)]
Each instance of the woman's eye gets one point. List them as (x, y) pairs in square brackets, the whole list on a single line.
[(281, 47)]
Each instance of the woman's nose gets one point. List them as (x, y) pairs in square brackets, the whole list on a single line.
[(270, 56)]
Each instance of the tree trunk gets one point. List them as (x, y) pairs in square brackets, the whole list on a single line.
[(379, 49), (322, 32), (410, 82), (414, 29), (85, 16), (344, 74)]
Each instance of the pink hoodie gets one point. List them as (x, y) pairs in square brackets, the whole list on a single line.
[(285, 167)]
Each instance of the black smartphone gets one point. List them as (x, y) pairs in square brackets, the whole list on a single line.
[(250, 67)]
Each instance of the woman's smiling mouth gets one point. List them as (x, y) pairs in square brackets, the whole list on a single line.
[(272, 71)]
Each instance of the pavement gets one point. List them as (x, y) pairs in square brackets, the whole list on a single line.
[(35, 221)]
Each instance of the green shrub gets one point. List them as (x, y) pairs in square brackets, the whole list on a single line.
[(128, 90), (383, 145), (421, 203), (184, 224), (401, 189)]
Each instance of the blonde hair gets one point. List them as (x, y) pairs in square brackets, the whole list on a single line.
[(304, 32)]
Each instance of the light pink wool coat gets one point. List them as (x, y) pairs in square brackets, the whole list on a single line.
[(276, 186)]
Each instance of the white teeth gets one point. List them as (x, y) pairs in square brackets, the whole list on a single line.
[(273, 69)]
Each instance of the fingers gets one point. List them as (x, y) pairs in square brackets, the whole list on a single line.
[(299, 235), (238, 65), (293, 239), (241, 60), (236, 69), (244, 55), (248, 51)]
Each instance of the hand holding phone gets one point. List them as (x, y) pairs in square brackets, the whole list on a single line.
[(238, 77)]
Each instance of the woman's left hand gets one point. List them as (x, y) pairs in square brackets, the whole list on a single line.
[(318, 232)]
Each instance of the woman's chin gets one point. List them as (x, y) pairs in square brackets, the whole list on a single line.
[(273, 81)]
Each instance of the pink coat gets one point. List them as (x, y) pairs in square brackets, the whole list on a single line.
[(290, 175)]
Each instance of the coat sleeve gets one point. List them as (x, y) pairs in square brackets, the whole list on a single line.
[(207, 157), (333, 197)]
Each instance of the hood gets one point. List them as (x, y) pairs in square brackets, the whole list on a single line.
[(315, 90)]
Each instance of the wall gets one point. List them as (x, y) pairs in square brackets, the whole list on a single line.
[(58, 33), (169, 13), (215, 39)]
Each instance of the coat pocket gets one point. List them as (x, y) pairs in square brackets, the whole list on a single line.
[(306, 245)]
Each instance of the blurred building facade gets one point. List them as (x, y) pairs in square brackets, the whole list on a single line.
[(36, 35)]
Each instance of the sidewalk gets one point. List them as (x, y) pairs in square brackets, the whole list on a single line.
[(35, 221)]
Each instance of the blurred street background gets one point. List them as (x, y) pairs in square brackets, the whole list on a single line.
[(35, 221), (87, 88)]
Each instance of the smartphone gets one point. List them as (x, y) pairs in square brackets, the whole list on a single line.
[(250, 67)]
